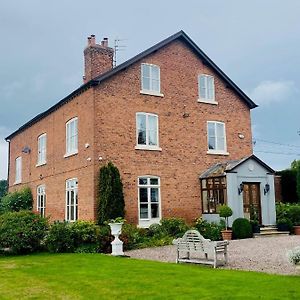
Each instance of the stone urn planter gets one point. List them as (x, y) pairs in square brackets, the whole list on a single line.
[(297, 230), (227, 235), (116, 244)]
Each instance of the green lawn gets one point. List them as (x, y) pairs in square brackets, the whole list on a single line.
[(96, 276)]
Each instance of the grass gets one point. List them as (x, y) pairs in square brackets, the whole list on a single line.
[(96, 276)]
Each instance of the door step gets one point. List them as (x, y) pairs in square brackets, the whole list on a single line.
[(269, 231)]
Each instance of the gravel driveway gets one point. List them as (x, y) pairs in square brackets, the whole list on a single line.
[(266, 254)]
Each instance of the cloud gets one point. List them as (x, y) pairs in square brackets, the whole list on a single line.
[(268, 92), (3, 152)]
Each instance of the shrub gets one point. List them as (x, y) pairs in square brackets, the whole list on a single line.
[(210, 231), (155, 230), (22, 232), (60, 238), (84, 232), (174, 227), (288, 185), (241, 228), (132, 236), (294, 214), (294, 256), (284, 224), (104, 239), (110, 199), (16, 201)]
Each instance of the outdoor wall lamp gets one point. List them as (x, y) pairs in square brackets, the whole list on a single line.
[(240, 188), (266, 188)]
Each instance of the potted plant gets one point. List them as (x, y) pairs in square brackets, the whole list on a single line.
[(254, 220), (225, 212), (284, 224), (116, 230), (294, 257)]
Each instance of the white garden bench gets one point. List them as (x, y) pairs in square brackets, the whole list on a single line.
[(194, 248)]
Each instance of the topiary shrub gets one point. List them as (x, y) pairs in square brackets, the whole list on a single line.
[(211, 230), (60, 238), (241, 228), (105, 239), (111, 203), (225, 212), (16, 201), (174, 227), (22, 232)]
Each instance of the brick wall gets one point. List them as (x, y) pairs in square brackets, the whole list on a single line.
[(107, 121), (183, 140)]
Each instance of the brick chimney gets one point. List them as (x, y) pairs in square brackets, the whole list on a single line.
[(98, 58)]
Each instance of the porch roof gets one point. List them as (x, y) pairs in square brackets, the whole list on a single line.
[(221, 168)]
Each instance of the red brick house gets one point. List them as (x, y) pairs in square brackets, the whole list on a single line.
[(164, 117)]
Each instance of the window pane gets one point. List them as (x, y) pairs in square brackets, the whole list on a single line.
[(155, 72), (211, 143), (141, 123), (152, 122), (210, 87), (204, 201), (146, 70), (143, 195), (143, 181), (144, 211), (154, 211), (154, 181), (154, 194), (155, 85), (220, 130), (146, 84), (221, 144), (202, 87), (211, 129)]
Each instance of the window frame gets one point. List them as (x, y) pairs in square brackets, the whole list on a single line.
[(69, 151), (41, 199), (206, 99), (18, 170), (215, 190), (42, 152), (217, 151), (150, 91), (147, 146), (68, 205), (146, 222)]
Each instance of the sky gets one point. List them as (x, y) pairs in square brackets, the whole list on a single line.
[(256, 43)]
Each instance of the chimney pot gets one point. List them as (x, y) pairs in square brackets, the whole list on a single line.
[(105, 42), (93, 40), (89, 41)]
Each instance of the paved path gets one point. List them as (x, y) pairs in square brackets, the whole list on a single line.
[(260, 254)]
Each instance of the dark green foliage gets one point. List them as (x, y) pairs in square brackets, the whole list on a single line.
[(294, 214), (105, 239), (287, 211), (288, 186), (298, 181), (16, 201), (210, 231), (241, 228), (132, 236), (3, 188), (174, 227), (60, 238), (80, 236), (284, 224), (22, 232), (110, 199)]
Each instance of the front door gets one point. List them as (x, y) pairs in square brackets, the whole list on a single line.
[(251, 198)]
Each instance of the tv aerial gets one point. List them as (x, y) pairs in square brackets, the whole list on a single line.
[(118, 47)]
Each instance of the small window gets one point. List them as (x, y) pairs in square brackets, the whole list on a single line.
[(206, 88), (41, 200), (149, 200), (216, 138), (18, 174), (213, 192), (42, 148), (71, 200), (147, 131), (150, 79), (72, 137)]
